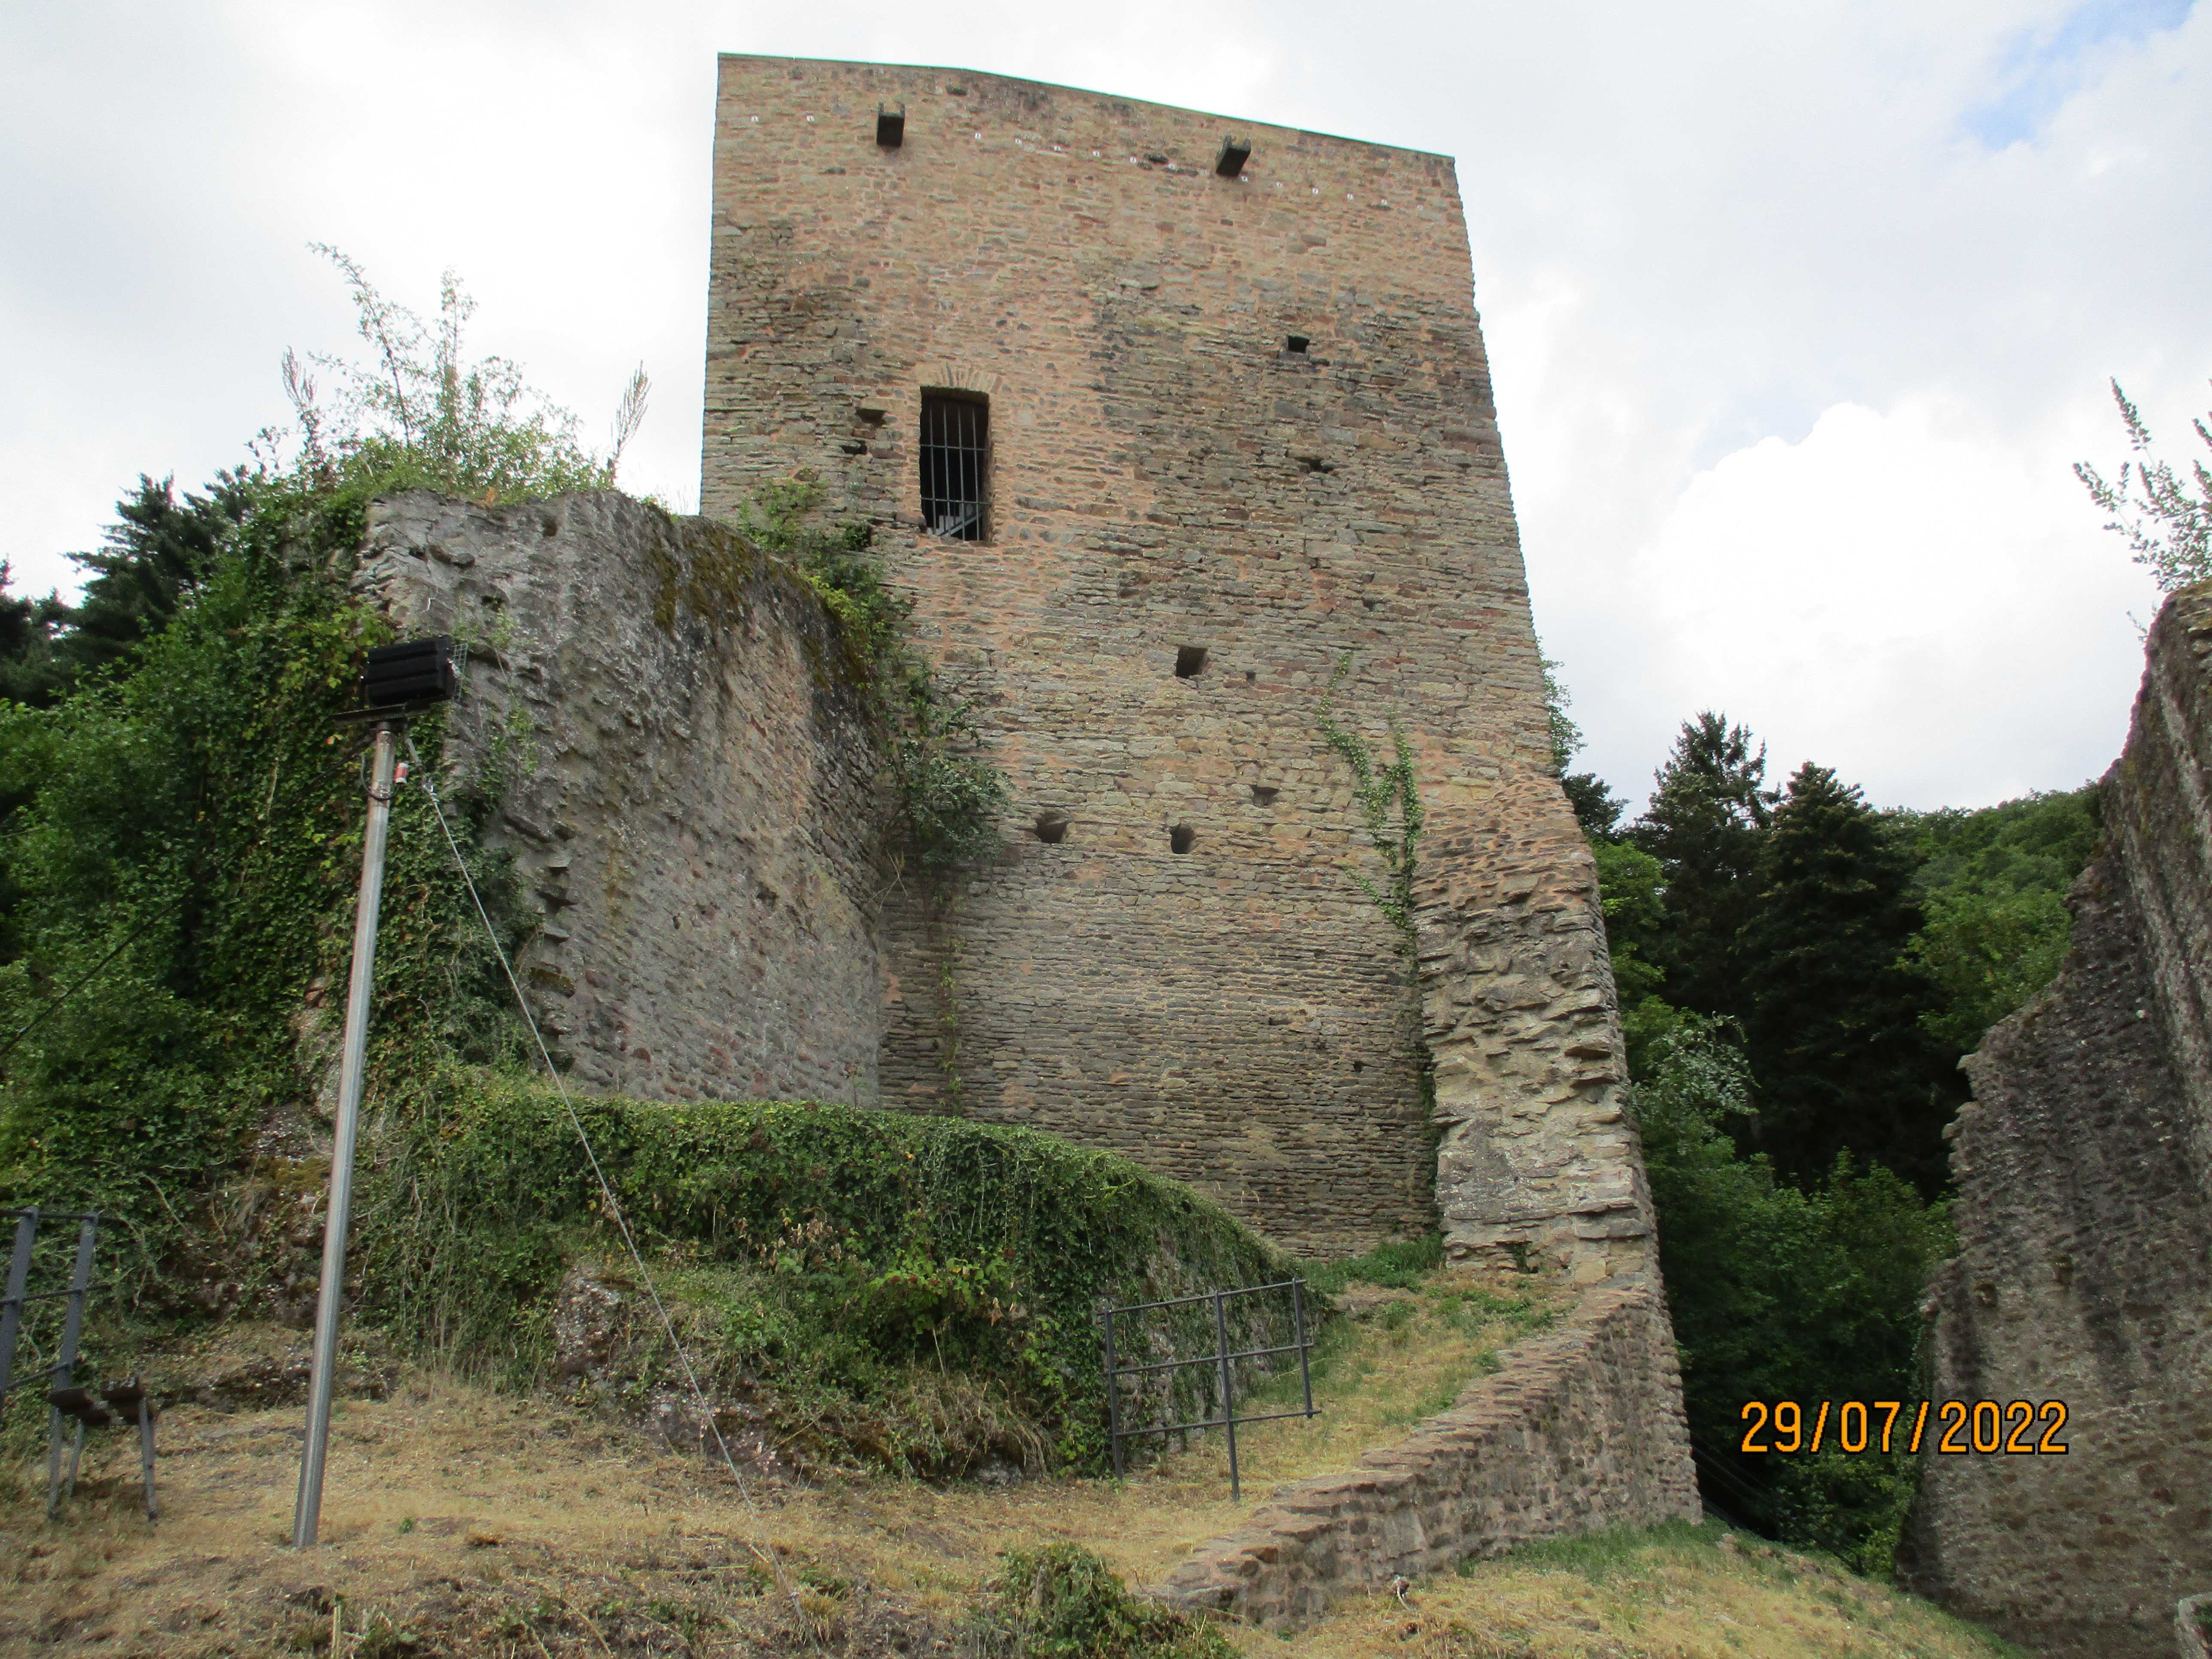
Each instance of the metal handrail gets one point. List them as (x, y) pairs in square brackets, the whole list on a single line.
[(1209, 1358), (1222, 1357), (1208, 1295)]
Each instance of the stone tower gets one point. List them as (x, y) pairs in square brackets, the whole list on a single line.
[(1164, 420)]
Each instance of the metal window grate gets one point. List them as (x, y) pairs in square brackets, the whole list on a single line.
[(955, 439)]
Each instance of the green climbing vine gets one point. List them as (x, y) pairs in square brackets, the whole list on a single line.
[(1389, 801), (949, 1096), (896, 1289), (949, 793), (1388, 796)]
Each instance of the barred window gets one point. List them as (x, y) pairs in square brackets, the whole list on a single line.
[(955, 434)]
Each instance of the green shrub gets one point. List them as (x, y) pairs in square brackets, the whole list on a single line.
[(1063, 1602), (870, 1271)]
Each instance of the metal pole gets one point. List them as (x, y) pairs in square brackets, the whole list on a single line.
[(11, 1313), (1298, 1313), (1228, 1399), (1113, 1398), (65, 1372), (308, 1514), (146, 1453)]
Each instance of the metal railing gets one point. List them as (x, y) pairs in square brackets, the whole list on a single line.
[(126, 1401), (1220, 1358)]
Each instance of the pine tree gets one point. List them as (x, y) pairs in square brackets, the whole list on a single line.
[(1597, 809), (1705, 825), (28, 672), (1839, 1057), (158, 550)]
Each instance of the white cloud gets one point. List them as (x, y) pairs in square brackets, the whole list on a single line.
[(1901, 596), (1757, 281)]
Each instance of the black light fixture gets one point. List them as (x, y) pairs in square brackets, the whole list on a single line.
[(890, 126), (412, 674), (1235, 152)]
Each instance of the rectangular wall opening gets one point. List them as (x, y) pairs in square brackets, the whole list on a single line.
[(956, 435)]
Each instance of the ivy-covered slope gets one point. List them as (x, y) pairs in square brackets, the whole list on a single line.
[(922, 1292)]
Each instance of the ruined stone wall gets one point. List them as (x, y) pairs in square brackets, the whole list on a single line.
[(691, 791), (1165, 473), (1581, 1429), (1537, 1160), (2084, 1275)]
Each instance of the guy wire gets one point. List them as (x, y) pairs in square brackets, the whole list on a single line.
[(607, 1194)]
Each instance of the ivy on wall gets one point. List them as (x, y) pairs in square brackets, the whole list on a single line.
[(1388, 797), (1389, 801), (949, 793)]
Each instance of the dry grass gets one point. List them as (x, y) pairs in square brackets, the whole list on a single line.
[(459, 1520), (1679, 1592)]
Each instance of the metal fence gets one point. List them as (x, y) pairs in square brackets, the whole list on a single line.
[(125, 1401), (1222, 1359)]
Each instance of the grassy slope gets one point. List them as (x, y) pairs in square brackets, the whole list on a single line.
[(482, 1523)]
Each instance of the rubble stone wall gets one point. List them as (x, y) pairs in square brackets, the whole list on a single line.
[(684, 780), (1582, 1429), (1168, 476), (2084, 1166)]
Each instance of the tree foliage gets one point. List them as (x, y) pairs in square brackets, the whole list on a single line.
[(1797, 975), (419, 413), (1992, 885), (183, 811), (1780, 1291), (2165, 513), (1595, 807), (1832, 1011), (1706, 823), (30, 672)]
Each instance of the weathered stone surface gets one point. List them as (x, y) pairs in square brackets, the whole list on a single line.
[(2084, 1166), (695, 809), (1582, 1429), (1164, 474)]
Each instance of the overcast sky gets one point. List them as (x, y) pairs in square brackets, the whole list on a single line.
[(1798, 314)]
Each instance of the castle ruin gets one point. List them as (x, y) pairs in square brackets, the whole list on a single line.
[(1173, 430), (2083, 1282)]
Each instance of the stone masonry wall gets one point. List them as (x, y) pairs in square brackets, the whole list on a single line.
[(695, 811), (2084, 1165), (1537, 1158), (1166, 473), (1582, 1429)]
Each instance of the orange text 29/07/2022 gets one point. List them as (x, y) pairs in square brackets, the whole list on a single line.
[(2014, 1427)]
